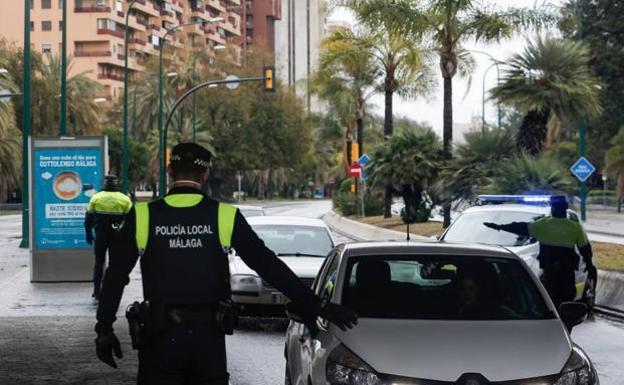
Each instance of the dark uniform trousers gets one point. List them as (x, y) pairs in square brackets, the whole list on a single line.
[(102, 243), (189, 354), (560, 282)]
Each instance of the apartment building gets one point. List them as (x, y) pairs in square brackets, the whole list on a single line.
[(298, 37), (95, 31), (259, 18)]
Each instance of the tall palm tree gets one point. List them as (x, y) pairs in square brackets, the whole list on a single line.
[(551, 81), (614, 164), (83, 111), (346, 75), (446, 25), (10, 136)]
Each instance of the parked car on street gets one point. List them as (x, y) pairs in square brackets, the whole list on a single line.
[(436, 314), (501, 209), (302, 243)]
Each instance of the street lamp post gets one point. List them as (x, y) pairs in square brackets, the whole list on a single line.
[(26, 128), (483, 97), (63, 128), (582, 128), (125, 156), (497, 63), (161, 149)]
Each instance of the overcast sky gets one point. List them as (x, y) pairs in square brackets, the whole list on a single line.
[(470, 105)]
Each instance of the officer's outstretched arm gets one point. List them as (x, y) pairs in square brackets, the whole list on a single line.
[(256, 255), (123, 257), (519, 228)]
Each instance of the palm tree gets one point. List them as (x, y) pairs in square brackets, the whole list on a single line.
[(409, 163), (10, 136), (346, 76), (83, 111), (614, 164), (551, 81), (474, 163), (525, 174), (445, 25)]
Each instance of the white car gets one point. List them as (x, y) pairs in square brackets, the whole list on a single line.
[(436, 314), (469, 228), (251, 211), (302, 243)]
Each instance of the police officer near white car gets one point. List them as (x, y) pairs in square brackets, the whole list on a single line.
[(182, 241)]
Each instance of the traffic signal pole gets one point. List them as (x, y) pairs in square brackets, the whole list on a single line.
[(63, 126)]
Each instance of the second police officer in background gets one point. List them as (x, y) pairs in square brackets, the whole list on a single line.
[(558, 237), (181, 241), (106, 210)]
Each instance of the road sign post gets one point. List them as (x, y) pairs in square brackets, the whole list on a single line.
[(582, 170)]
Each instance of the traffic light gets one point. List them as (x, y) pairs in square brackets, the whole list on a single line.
[(269, 81)]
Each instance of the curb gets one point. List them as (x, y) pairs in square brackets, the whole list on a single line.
[(362, 231), (610, 290)]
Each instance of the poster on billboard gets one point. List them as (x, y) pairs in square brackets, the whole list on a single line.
[(65, 174)]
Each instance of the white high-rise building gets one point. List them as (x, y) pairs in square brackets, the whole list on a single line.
[(297, 38)]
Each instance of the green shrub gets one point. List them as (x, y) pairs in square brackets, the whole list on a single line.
[(348, 204), (599, 193), (421, 215)]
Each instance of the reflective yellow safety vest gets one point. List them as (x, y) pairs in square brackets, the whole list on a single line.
[(109, 203), (558, 232), (226, 217)]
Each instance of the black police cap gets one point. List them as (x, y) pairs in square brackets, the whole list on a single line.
[(190, 155)]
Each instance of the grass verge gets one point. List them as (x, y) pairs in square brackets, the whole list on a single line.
[(9, 212)]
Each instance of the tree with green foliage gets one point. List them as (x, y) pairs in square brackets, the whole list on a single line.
[(139, 156), (598, 24), (614, 164), (551, 81), (474, 163), (409, 162), (525, 174)]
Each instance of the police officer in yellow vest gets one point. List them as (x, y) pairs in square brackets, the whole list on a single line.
[(182, 241), (106, 210), (558, 238)]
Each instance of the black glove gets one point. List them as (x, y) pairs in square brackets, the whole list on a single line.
[(105, 344), (492, 225), (340, 316), (89, 238), (592, 273)]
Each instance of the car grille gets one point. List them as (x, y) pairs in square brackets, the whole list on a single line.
[(306, 281)]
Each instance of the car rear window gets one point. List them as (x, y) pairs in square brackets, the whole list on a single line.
[(446, 288), (249, 213), (287, 239), (469, 228)]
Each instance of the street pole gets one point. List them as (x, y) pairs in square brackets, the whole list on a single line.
[(240, 185), (483, 98), (125, 156), (497, 62), (26, 129), (162, 181), (582, 129), (194, 101), (63, 128)]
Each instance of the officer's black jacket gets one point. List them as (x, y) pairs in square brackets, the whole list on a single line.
[(124, 255)]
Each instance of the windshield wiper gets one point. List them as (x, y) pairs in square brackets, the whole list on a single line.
[(299, 255)]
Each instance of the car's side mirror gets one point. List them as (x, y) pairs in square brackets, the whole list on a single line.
[(573, 313)]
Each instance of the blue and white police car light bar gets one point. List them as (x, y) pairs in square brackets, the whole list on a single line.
[(523, 199)]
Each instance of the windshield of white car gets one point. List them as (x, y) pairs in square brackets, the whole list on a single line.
[(469, 228), (248, 213), (442, 288), (295, 240)]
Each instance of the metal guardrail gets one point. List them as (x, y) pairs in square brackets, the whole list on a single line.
[(10, 206), (609, 312)]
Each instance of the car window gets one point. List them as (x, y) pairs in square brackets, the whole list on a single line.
[(469, 228), (438, 287), (327, 283), (290, 240), (248, 213)]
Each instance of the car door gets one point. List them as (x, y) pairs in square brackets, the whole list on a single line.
[(297, 349), (308, 343)]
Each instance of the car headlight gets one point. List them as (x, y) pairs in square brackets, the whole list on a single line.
[(242, 282), (578, 370), (345, 368)]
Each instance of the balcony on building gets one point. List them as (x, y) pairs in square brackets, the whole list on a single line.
[(92, 6), (92, 49)]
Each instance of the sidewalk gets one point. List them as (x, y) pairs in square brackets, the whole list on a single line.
[(605, 222)]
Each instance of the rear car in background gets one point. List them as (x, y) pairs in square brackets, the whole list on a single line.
[(436, 314), (503, 209), (251, 211), (302, 243)]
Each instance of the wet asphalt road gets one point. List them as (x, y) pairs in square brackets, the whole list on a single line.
[(46, 331)]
